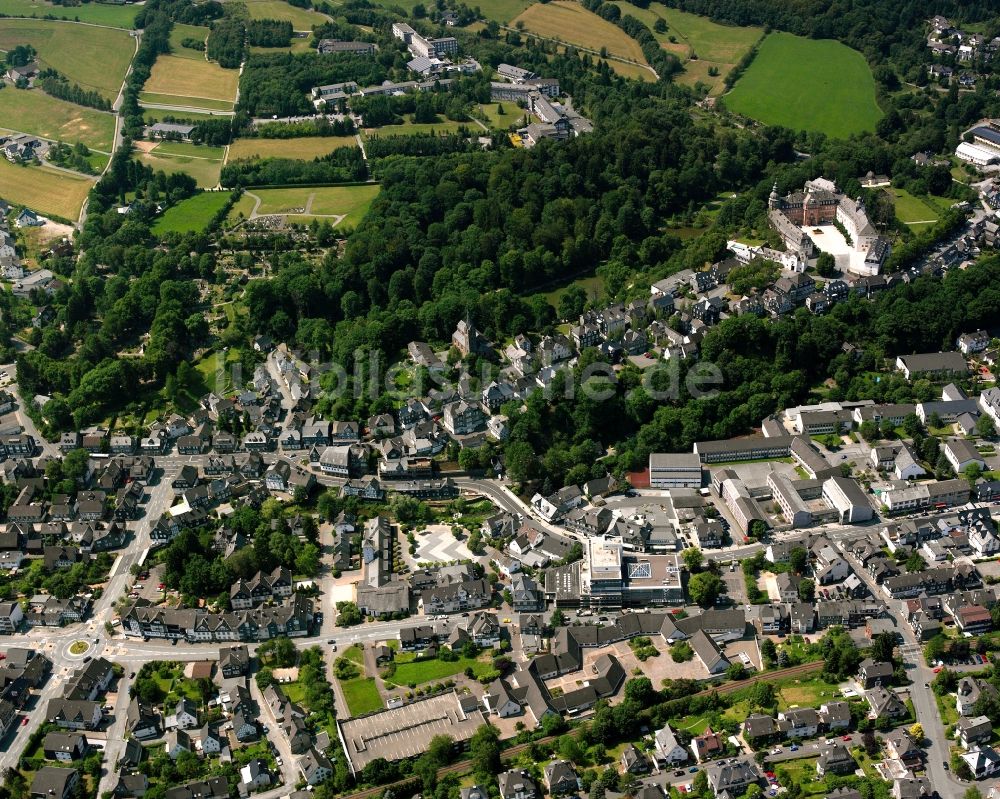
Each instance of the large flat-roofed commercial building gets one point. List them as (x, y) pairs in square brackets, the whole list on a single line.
[(849, 500), (602, 572), (404, 731), (674, 470), (743, 449), (652, 580)]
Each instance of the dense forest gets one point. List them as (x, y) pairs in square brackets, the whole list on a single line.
[(227, 42)]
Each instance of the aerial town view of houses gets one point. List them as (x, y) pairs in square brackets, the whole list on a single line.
[(531, 399)]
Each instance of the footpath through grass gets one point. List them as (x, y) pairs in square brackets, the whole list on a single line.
[(808, 84)]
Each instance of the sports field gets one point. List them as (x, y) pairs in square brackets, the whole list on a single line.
[(189, 82), (98, 13), (200, 162), (305, 148), (96, 58), (179, 33), (193, 214), (45, 190), (351, 202), (33, 111), (808, 84), (302, 19), (569, 22)]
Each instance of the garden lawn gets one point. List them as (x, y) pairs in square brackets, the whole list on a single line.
[(48, 191), (808, 84), (95, 58), (122, 16), (804, 693), (305, 148), (193, 214), (33, 111), (418, 672), (361, 694), (570, 22), (802, 772)]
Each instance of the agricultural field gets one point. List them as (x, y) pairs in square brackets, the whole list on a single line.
[(349, 202), (45, 190), (305, 148), (200, 162), (96, 13), (187, 82), (179, 33), (566, 21), (302, 19), (96, 58), (33, 111), (193, 214), (807, 84)]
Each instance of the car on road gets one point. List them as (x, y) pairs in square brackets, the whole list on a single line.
[(161, 586), (937, 669), (680, 772), (693, 770), (828, 741), (945, 764), (794, 748), (846, 738)]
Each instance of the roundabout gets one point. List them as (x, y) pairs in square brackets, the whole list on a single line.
[(79, 647)]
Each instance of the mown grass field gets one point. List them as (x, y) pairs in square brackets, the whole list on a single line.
[(306, 148), (416, 673), (191, 215), (362, 695), (917, 213), (45, 190), (151, 115), (200, 104), (191, 82), (352, 202), (189, 150), (33, 111), (298, 45), (96, 13), (570, 22), (687, 35), (808, 84), (302, 19), (725, 44), (502, 115), (502, 10), (205, 171), (413, 128), (96, 58), (179, 33)]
